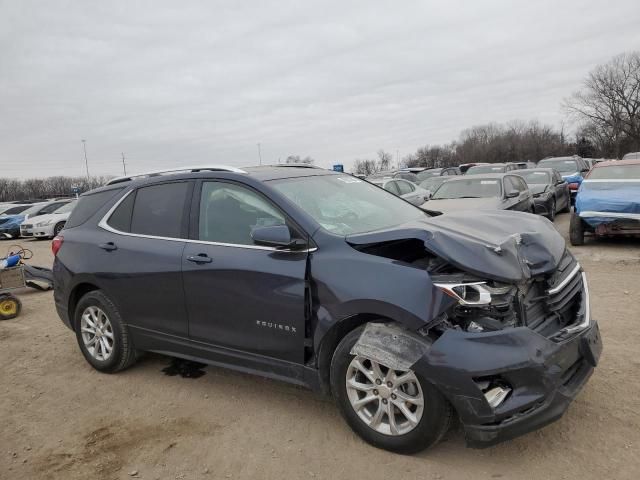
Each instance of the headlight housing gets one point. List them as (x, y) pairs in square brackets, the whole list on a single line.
[(44, 224), (468, 294)]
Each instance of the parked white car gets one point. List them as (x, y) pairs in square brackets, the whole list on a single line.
[(39, 210), (50, 225)]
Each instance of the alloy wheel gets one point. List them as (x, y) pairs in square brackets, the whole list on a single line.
[(391, 402), (97, 333)]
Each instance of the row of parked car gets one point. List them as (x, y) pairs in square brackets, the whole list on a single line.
[(34, 218), (547, 188)]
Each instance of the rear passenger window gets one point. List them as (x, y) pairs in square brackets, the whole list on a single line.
[(392, 187), (120, 219), (158, 210), (404, 188), (88, 205)]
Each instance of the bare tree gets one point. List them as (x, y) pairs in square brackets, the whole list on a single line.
[(609, 102), (384, 160)]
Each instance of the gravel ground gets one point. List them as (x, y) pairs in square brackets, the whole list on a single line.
[(61, 419)]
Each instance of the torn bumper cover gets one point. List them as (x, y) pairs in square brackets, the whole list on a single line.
[(537, 377)]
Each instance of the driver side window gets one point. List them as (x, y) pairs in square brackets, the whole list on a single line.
[(229, 212)]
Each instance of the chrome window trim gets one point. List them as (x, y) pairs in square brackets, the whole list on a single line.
[(566, 280), (105, 226)]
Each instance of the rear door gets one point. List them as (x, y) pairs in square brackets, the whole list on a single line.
[(142, 241), (239, 295)]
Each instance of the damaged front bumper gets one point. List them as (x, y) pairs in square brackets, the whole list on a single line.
[(544, 377)]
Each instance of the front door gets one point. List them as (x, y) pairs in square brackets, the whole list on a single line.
[(239, 295)]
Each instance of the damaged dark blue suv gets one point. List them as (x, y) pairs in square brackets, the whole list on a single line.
[(326, 281)]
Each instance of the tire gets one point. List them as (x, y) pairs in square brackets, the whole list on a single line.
[(552, 210), (435, 416), (97, 306), (58, 228), (10, 306), (576, 230)]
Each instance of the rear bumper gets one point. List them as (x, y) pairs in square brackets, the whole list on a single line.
[(612, 223)]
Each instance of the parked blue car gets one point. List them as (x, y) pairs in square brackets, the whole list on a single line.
[(608, 202), (573, 170)]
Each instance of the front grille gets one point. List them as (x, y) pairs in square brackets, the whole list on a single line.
[(554, 302), (25, 227)]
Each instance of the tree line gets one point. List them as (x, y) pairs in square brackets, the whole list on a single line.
[(605, 113), (43, 188)]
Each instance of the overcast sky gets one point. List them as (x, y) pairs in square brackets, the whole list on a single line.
[(191, 83)]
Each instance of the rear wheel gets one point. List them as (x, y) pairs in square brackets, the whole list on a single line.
[(397, 410), (576, 230), (101, 334)]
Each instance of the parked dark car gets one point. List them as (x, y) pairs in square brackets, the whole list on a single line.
[(326, 281), (608, 202), (492, 168), (524, 165), (550, 191), (438, 172), (466, 166), (481, 192), (573, 170)]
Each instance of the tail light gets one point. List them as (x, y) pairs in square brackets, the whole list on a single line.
[(56, 244), (574, 186)]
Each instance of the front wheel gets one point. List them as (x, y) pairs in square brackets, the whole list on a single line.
[(58, 228), (397, 410), (101, 334), (552, 210), (576, 230)]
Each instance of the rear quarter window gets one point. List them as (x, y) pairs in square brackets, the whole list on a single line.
[(88, 205)]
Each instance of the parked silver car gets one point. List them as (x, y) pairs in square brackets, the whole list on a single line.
[(403, 188), (502, 191)]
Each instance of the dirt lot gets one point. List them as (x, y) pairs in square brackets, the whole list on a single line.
[(61, 419)]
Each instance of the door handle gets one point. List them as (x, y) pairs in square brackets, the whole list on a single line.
[(200, 258), (109, 246)]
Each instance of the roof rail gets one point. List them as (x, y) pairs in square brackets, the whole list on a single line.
[(298, 165), (155, 173)]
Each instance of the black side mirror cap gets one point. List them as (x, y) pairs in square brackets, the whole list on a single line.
[(512, 194), (278, 236)]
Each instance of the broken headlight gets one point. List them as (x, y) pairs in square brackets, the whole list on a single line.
[(481, 306)]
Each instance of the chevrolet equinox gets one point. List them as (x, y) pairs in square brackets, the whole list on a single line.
[(326, 281)]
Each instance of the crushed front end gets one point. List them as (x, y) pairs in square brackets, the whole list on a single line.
[(510, 358)]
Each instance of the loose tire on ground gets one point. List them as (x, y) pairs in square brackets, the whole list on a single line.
[(113, 332), (576, 230), (435, 416), (10, 306)]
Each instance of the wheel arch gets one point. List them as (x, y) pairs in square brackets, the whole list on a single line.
[(333, 337), (76, 294)]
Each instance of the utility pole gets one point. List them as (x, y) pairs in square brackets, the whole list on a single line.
[(259, 154), (124, 165), (86, 162), (398, 158)]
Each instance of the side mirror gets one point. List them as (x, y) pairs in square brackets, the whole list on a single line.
[(512, 194), (560, 182), (277, 236)]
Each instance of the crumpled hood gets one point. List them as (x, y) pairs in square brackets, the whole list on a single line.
[(500, 245), (615, 197), (457, 204)]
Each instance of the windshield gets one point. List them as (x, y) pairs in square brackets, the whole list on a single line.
[(67, 207), (344, 205), (469, 188), (432, 183), (535, 178), (485, 169), (617, 172), (423, 175), (560, 164)]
